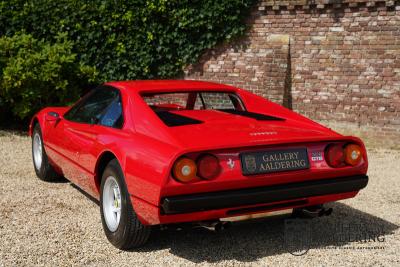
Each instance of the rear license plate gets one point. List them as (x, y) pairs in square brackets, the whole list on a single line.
[(274, 161)]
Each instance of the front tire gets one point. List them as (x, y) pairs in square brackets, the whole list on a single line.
[(41, 163), (120, 222)]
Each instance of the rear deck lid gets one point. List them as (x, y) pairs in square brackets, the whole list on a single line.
[(216, 128)]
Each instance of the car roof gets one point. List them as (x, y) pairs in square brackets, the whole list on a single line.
[(149, 86)]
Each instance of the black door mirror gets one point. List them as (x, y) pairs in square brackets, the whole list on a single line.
[(53, 116)]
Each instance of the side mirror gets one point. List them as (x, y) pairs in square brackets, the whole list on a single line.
[(53, 116)]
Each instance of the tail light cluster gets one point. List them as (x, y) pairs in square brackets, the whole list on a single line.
[(338, 155), (206, 167)]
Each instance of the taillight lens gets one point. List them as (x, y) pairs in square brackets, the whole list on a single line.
[(338, 155), (335, 155), (353, 154), (208, 167), (184, 170)]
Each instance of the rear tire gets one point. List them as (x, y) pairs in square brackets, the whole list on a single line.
[(41, 164), (120, 222)]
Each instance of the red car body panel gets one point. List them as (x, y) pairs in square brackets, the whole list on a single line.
[(146, 149)]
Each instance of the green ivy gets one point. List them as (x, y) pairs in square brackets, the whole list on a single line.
[(131, 39), (68, 44)]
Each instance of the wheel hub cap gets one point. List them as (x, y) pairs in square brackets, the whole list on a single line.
[(111, 203)]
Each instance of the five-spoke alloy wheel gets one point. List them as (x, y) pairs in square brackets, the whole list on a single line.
[(120, 223)]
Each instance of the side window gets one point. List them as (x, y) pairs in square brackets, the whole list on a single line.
[(101, 106), (113, 114)]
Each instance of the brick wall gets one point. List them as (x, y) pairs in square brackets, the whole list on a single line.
[(337, 62)]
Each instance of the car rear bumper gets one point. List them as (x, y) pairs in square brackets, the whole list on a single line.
[(261, 195)]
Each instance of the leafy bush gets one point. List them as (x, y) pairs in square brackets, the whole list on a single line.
[(35, 73), (130, 39)]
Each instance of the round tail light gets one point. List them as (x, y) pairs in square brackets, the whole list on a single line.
[(353, 154), (208, 167), (335, 156), (184, 170)]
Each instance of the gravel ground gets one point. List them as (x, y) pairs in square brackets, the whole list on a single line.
[(54, 224)]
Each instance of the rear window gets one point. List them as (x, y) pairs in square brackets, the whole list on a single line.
[(194, 101), (174, 108)]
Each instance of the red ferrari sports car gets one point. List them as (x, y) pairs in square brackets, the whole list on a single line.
[(166, 152)]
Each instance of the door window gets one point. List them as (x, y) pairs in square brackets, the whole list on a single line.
[(102, 106)]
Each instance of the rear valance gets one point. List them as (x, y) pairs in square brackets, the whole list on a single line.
[(262, 195)]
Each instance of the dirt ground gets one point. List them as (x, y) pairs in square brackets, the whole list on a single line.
[(54, 224)]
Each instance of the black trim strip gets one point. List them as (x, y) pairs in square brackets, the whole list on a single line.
[(253, 115), (259, 195), (172, 119)]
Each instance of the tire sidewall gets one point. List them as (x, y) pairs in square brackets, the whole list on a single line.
[(117, 238)]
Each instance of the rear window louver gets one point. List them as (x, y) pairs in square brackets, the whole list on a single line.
[(172, 119), (253, 115)]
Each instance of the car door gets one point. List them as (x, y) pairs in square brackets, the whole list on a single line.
[(80, 130), (111, 117)]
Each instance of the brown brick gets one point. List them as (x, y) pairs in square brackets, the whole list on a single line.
[(345, 60)]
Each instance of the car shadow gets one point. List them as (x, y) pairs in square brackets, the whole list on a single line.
[(88, 196), (248, 241), (59, 180)]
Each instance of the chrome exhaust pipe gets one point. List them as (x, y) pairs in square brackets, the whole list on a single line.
[(216, 226), (312, 212)]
